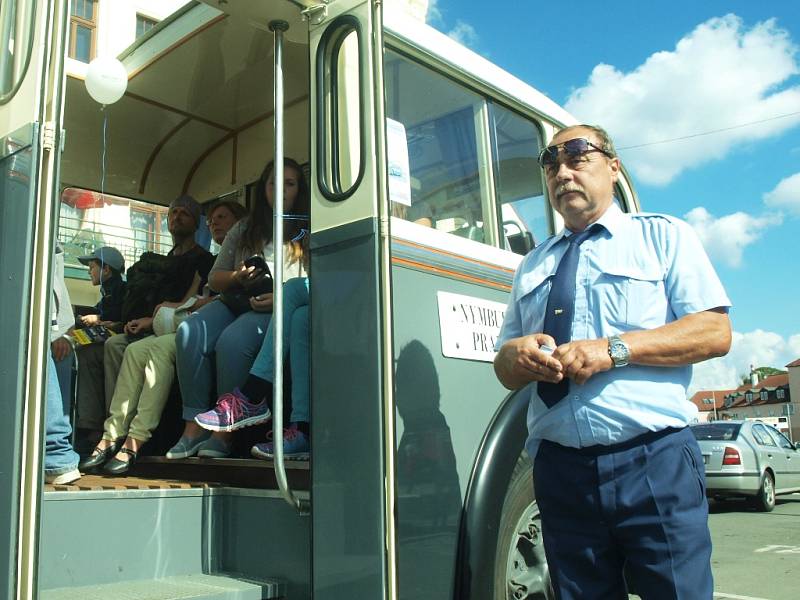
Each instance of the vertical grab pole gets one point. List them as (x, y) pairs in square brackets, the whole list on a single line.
[(278, 28)]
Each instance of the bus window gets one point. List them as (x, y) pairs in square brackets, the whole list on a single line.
[(440, 130), (16, 37), (339, 143), (619, 198), (524, 212), (88, 220)]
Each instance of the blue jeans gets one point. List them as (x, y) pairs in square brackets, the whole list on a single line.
[(59, 457), (215, 350), (64, 372), (295, 342)]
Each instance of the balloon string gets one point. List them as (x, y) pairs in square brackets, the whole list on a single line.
[(103, 155)]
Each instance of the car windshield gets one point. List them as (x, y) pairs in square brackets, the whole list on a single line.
[(716, 431)]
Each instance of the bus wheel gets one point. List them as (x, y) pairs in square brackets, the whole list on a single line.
[(520, 566)]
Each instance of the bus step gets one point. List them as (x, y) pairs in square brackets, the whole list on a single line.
[(235, 472), (183, 587)]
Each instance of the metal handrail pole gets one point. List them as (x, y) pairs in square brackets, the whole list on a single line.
[(278, 28)]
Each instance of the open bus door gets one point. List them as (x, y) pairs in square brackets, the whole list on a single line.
[(31, 70), (353, 515)]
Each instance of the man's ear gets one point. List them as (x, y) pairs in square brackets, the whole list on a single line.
[(106, 272), (614, 165)]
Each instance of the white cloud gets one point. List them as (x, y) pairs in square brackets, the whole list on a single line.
[(464, 33), (758, 348), (785, 195), (725, 238), (419, 9), (434, 15), (720, 75)]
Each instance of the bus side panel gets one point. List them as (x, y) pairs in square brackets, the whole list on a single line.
[(444, 406), (348, 492), (16, 225)]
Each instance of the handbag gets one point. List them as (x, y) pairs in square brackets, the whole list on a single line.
[(167, 318), (238, 302)]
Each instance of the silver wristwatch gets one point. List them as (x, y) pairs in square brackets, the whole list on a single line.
[(619, 351)]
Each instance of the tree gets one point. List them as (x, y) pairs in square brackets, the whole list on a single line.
[(762, 372)]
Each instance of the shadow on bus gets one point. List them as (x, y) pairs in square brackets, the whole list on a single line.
[(428, 490)]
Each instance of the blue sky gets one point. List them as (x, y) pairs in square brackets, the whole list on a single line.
[(654, 71)]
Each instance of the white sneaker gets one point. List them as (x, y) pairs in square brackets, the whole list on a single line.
[(63, 478)]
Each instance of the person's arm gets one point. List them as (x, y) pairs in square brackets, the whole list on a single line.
[(692, 338)]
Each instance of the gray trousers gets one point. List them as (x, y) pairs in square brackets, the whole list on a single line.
[(98, 368)]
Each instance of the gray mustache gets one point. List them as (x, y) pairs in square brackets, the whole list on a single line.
[(567, 187)]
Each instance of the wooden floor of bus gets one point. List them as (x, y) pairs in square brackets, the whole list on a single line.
[(159, 473)]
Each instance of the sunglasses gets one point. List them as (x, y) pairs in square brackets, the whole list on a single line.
[(572, 148)]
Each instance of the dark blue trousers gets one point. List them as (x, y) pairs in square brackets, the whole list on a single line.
[(638, 507)]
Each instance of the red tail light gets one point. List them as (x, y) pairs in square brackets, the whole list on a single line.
[(731, 457)]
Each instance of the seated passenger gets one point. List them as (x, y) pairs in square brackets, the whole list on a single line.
[(252, 404), (155, 279), (106, 266), (217, 345)]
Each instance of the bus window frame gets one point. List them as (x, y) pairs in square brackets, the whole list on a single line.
[(485, 140), (495, 157), (328, 110)]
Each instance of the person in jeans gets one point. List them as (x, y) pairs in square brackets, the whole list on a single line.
[(215, 345), (252, 403), (148, 365), (60, 460)]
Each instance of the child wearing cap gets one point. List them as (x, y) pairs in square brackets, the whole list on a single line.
[(106, 266)]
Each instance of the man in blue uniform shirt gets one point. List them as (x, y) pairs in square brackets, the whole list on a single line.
[(604, 322)]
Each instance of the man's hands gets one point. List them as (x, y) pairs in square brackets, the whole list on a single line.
[(581, 359), (520, 361), (139, 326)]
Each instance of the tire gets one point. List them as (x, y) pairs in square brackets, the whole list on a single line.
[(521, 571), (765, 499)]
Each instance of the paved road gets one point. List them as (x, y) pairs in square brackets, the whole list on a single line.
[(756, 555)]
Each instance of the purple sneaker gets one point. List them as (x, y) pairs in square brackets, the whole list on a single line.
[(295, 445), (233, 411)]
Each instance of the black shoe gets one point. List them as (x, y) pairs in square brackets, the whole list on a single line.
[(98, 457), (120, 467)]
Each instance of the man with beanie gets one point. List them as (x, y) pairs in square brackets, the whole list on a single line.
[(190, 265)]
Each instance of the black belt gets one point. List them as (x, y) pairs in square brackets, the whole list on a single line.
[(639, 440)]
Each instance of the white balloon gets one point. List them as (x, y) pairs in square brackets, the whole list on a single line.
[(106, 79)]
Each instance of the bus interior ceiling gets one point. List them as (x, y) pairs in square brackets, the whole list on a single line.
[(197, 114)]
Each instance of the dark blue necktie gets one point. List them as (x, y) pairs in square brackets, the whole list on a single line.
[(561, 309)]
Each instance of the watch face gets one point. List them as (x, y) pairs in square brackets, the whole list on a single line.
[(619, 353)]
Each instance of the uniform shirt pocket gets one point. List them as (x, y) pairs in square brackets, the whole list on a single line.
[(630, 296), (531, 296)]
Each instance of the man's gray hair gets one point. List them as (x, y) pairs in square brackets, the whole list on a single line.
[(602, 134)]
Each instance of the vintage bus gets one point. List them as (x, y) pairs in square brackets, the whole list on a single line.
[(421, 158)]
